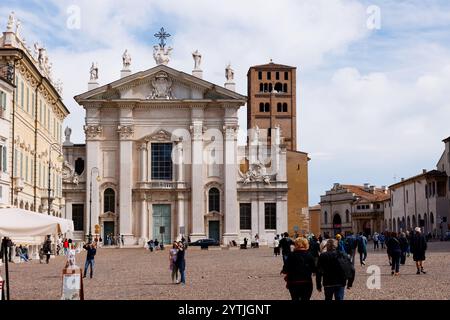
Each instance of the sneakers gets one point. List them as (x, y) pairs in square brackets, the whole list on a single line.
[(363, 263), (418, 271), (422, 271), (392, 273)]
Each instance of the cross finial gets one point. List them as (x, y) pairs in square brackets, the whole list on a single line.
[(162, 35)]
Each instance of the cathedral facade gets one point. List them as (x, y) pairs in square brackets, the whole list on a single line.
[(161, 160)]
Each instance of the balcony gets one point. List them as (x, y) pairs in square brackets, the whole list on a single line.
[(162, 185)]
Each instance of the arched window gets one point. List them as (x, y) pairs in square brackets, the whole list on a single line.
[(431, 218), (394, 226), (214, 199), (277, 75), (403, 224), (285, 108), (426, 222), (285, 87), (267, 107), (109, 200), (399, 225), (79, 166), (278, 87), (261, 107), (408, 223), (261, 87), (270, 87), (347, 216), (414, 222), (279, 108), (266, 87), (325, 217)]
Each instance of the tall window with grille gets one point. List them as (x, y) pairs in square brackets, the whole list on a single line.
[(214, 200), (109, 200), (3, 158), (270, 216), (245, 215), (162, 166), (78, 216)]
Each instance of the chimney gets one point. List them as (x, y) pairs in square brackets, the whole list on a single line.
[(366, 186), (372, 189), (384, 188), (424, 170), (403, 179)]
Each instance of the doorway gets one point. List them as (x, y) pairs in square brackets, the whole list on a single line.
[(162, 223), (108, 229), (214, 230)]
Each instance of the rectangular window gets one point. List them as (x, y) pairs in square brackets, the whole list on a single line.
[(48, 119), (78, 217), (26, 168), (3, 158), (40, 112), (245, 212), (17, 89), (286, 75), (32, 171), (259, 75), (16, 159), (269, 76), (162, 161), (21, 165), (277, 75), (33, 102), (407, 196), (22, 95), (40, 176), (28, 99), (270, 216)]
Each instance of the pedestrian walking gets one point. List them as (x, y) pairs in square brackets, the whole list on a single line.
[(362, 248), (334, 272), (418, 248), (181, 263), (381, 238), (151, 245), (122, 240), (66, 246), (47, 249), (394, 249), (375, 241), (341, 246), (90, 256), (285, 245), (404, 245), (323, 242), (299, 268), (350, 246), (276, 248), (172, 262), (314, 249)]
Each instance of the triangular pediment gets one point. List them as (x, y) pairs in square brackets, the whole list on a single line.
[(160, 83)]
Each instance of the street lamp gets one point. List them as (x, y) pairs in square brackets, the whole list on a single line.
[(90, 202), (49, 174)]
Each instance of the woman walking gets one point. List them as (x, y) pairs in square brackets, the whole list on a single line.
[(394, 250), (181, 263), (404, 247), (418, 248), (172, 262), (299, 267)]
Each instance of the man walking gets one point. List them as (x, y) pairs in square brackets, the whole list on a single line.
[(418, 248), (48, 248), (375, 241), (350, 247), (180, 263), (285, 245), (336, 272), (91, 251), (362, 248)]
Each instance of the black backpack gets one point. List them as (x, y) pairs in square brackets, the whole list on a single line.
[(347, 268)]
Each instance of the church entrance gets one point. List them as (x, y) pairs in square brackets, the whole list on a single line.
[(214, 230), (108, 232), (162, 223)]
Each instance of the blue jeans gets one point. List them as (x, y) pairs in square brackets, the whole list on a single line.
[(182, 276), (338, 293), (362, 256), (89, 262)]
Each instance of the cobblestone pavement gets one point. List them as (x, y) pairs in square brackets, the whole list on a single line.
[(221, 274)]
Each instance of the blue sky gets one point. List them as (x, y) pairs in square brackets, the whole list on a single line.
[(372, 103)]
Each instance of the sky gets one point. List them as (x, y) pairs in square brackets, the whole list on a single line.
[(372, 76)]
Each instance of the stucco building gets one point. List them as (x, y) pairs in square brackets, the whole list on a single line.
[(31, 119)]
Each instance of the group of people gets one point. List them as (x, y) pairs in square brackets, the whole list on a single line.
[(155, 245), (177, 262), (115, 240), (333, 269)]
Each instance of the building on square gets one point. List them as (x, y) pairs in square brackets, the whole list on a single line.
[(423, 200), (31, 116), (353, 208), (272, 104), (161, 155)]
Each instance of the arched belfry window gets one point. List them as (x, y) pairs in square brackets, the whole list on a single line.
[(109, 200), (214, 200), (79, 166)]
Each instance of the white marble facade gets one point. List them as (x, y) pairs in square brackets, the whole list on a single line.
[(129, 122)]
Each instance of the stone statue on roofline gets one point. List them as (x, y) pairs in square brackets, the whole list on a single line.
[(229, 73), (197, 59), (94, 72), (161, 54), (126, 58), (10, 24)]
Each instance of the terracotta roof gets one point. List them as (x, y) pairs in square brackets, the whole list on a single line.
[(273, 65), (367, 196)]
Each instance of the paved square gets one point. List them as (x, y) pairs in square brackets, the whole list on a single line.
[(222, 274)]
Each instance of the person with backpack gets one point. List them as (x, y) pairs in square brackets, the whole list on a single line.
[(341, 246), (381, 238), (299, 268), (48, 248), (334, 272), (350, 246), (394, 249), (362, 248), (314, 249)]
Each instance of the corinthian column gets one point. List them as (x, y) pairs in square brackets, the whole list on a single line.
[(143, 162)]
